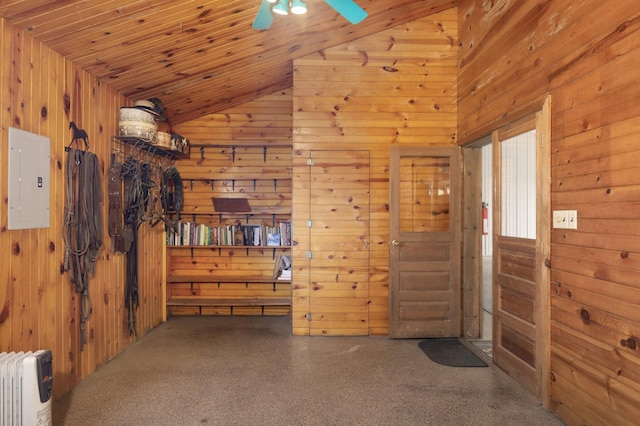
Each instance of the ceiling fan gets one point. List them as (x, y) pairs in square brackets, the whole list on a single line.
[(347, 8)]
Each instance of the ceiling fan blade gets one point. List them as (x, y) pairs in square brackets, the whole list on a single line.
[(347, 8), (264, 18)]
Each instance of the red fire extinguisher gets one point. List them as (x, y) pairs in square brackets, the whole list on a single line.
[(485, 218)]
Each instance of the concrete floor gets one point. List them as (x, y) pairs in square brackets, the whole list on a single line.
[(251, 371)]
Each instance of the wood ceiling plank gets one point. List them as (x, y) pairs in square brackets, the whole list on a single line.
[(202, 56), (16, 8), (149, 54), (189, 13), (216, 33), (174, 22), (118, 52), (72, 17), (201, 66), (229, 77)]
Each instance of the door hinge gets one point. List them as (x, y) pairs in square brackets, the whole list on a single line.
[(308, 316), (309, 161), (309, 223), (309, 255)]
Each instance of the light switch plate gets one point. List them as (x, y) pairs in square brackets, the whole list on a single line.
[(572, 219), (560, 219)]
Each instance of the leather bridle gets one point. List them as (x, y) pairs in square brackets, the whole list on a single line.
[(82, 228)]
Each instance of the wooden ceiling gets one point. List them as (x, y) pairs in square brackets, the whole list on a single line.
[(197, 56)]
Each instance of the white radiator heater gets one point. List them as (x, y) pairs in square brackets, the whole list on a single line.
[(26, 383)]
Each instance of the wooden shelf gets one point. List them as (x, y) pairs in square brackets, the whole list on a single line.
[(215, 280), (265, 148), (242, 145), (237, 194), (249, 301), (285, 211), (231, 303), (228, 247), (237, 180), (146, 146), (244, 178)]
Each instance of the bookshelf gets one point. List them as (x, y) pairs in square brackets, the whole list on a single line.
[(235, 224)]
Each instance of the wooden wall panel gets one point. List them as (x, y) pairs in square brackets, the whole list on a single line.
[(266, 120), (234, 164), (394, 87), (40, 93), (339, 242), (584, 54)]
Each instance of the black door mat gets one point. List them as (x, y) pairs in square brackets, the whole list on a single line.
[(450, 352)]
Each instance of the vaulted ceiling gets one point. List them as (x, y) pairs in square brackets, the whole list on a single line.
[(197, 56)]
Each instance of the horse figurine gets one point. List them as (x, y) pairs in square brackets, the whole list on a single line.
[(79, 135)]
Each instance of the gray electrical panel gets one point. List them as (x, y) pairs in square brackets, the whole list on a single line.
[(29, 175)]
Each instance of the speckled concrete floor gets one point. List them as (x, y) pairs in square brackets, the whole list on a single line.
[(251, 371)]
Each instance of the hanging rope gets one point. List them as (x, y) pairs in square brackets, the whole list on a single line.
[(82, 228), (129, 206), (139, 186), (138, 192), (134, 201), (131, 299)]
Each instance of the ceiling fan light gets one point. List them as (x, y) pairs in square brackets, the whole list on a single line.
[(272, 1), (282, 8), (298, 7)]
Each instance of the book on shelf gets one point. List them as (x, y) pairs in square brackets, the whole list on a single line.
[(198, 234), (238, 238), (252, 235), (285, 275), (285, 233), (282, 267), (273, 236)]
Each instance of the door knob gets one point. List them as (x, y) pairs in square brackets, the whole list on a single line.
[(395, 243)]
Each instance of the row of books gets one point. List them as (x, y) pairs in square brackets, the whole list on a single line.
[(198, 234)]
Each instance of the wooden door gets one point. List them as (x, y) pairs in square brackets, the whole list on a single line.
[(339, 243), (424, 248), (520, 247)]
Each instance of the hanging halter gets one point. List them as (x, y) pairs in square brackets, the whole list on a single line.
[(82, 228)]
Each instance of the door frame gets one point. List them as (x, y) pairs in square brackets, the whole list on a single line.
[(472, 234), (339, 269)]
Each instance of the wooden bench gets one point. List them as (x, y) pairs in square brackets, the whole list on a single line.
[(214, 280)]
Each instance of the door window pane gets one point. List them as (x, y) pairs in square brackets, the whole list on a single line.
[(425, 194), (518, 176)]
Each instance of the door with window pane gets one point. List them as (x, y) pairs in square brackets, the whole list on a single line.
[(424, 247), (518, 326)]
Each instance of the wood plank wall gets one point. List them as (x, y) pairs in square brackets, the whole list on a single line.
[(41, 92), (585, 55), (394, 87), (265, 122)]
